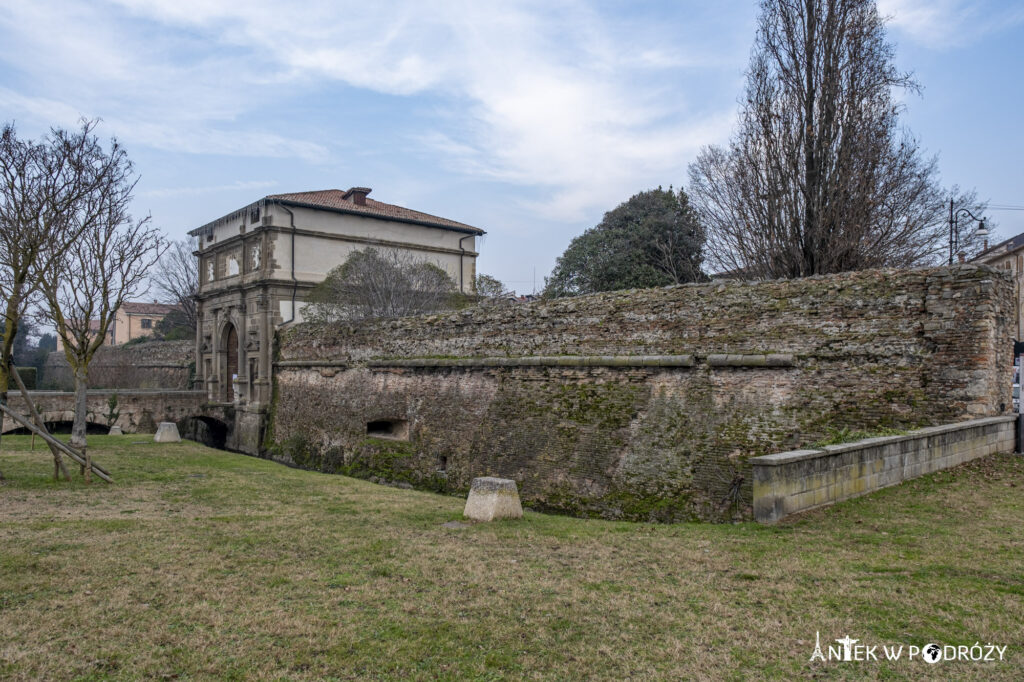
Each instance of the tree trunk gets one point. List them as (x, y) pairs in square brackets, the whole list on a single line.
[(78, 427), (3, 401), (58, 461)]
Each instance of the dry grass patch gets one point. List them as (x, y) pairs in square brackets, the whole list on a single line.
[(199, 564)]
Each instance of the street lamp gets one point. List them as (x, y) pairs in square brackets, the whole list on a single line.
[(954, 228)]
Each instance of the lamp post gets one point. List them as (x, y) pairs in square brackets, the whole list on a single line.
[(954, 228)]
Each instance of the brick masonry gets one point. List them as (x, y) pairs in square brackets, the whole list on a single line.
[(789, 482), (153, 364), (645, 404)]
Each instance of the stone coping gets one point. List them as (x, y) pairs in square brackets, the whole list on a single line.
[(118, 391), (782, 458), (688, 360)]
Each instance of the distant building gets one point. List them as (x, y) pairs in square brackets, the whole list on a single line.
[(258, 264), (1009, 256), (132, 320)]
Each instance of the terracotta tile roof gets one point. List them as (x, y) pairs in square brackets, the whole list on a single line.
[(133, 308), (335, 199)]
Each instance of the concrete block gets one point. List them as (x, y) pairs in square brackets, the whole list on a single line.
[(115, 430), (167, 432), (493, 498)]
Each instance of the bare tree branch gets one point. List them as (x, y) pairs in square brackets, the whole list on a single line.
[(103, 268), (176, 278), (819, 177), (45, 188), (380, 284)]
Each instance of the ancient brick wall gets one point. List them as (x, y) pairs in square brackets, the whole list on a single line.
[(153, 364), (643, 404)]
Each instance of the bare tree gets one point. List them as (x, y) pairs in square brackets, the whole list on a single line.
[(819, 178), (176, 278), (105, 266), (490, 288), (377, 284), (44, 188)]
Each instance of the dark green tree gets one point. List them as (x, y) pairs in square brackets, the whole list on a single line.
[(654, 239)]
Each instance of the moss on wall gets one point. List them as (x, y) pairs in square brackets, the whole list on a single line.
[(883, 349)]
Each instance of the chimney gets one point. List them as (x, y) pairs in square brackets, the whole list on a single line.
[(357, 195)]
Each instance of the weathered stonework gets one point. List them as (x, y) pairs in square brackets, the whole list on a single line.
[(137, 411), (153, 364), (643, 404)]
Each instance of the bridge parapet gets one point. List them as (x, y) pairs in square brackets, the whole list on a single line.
[(137, 410)]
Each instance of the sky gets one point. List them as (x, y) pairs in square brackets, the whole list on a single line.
[(529, 119)]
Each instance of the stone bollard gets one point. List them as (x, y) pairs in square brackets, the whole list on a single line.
[(167, 432), (493, 498), (115, 430)]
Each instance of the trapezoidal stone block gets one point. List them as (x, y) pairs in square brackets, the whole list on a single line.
[(167, 432), (492, 498), (115, 430)]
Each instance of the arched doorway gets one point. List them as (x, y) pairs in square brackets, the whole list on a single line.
[(231, 361)]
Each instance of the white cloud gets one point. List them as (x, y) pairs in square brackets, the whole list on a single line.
[(238, 186), (551, 95), (943, 24)]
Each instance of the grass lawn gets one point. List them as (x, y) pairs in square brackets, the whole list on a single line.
[(200, 564)]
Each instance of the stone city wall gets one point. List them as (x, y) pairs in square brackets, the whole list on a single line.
[(789, 482), (152, 364), (643, 404)]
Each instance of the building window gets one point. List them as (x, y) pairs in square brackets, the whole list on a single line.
[(147, 323)]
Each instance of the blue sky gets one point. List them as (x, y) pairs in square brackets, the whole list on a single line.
[(528, 119)]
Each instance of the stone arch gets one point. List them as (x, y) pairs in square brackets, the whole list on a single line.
[(209, 431), (58, 424)]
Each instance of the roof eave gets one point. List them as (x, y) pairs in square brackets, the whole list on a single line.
[(467, 229), (208, 227)]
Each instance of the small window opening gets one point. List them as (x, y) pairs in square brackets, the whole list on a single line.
[(388, 428), (147, 324), (443, 464)]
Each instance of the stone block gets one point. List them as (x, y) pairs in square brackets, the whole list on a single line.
[(167, 432), (115, 430), (492, 498)]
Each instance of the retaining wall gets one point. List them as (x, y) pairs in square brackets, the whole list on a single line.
[(789, 482)]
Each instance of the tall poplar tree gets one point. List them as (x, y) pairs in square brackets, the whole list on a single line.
[(819, 177)]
